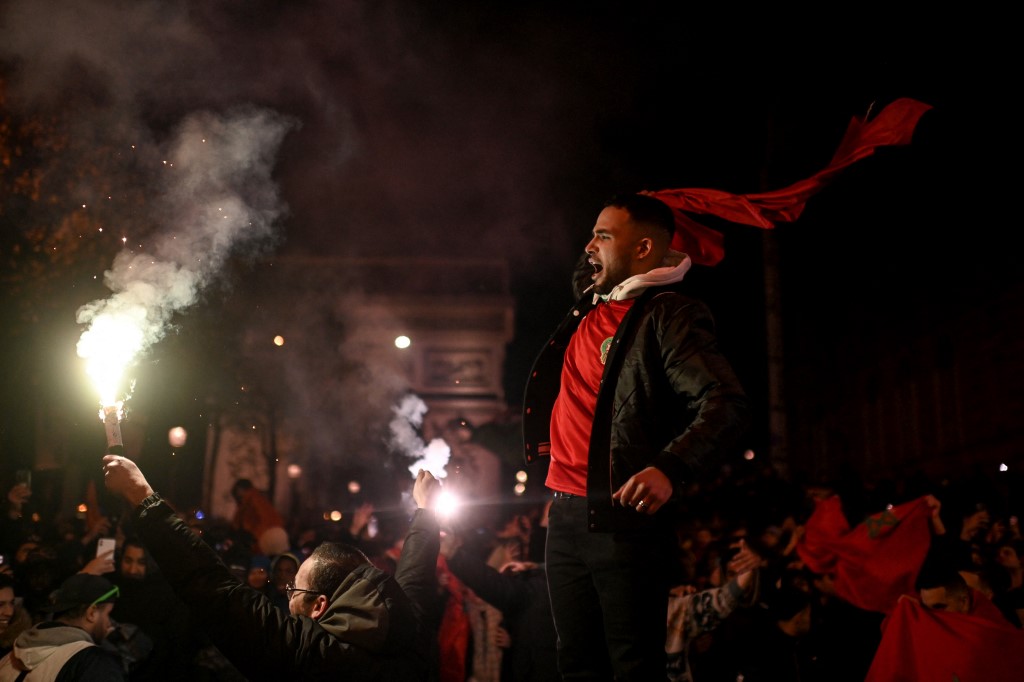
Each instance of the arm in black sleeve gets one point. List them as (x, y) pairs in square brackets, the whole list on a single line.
[(261, 640), (416, 572), (503, 592)]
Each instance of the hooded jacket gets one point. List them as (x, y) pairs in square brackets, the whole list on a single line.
[(374, 628), (57, 652), (668, 397)]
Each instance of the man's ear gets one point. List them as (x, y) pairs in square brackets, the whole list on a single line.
[(644, 248), (319, 607)]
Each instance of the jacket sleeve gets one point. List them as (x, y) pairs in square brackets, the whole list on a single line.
[(262, 641), (416, 571), (693, 615), (703, 379), (503, 592)]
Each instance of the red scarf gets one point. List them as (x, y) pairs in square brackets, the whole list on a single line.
[(894, 126)]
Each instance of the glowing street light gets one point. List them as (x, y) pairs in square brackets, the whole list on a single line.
[(177, 437)]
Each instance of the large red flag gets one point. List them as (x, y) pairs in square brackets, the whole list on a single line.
[(876, 562), (921, 644), (893, 126)]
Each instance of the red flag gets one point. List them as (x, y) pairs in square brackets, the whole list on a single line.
[(894, 126), (921, 644), (875, 563), (454, 631)]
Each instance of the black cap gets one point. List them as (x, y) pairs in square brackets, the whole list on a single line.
[(81, 589)]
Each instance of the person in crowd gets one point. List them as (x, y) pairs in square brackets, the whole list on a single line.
[(513, 628), (256, 515), (258, 575), (947, 631), (845, 635), (949, 594), (15, 526), (491, 637), (283, 569), (691, 613), (65, 648), (134, 564), (14, 619), (966, 519), (346, 617), (37, 572), (941, 588), (1009, 554), (630, 398), (148, 603), (778, 647)]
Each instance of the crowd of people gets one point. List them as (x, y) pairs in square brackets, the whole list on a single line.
[(647, 559), (744, 601)]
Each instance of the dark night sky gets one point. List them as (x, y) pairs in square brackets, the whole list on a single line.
[(469, 129)]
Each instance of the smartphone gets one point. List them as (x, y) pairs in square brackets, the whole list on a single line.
[(105, 545)]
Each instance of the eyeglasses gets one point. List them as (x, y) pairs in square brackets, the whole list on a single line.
[(290, 590), (112, 593)]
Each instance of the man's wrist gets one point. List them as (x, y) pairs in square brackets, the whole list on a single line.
[(144, 498)]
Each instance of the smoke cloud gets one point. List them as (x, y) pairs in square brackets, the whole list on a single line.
[(405, 439), (409, 141), (387, 129), (218, 195)]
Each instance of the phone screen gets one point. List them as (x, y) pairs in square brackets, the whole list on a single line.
[(105, 545)]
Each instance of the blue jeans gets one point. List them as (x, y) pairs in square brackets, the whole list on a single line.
[(609, 596)]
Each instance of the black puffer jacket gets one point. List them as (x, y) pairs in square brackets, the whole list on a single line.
[(668, 399), (373, 630)]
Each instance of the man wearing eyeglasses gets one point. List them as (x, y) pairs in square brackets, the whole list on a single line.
[(65, 648), (346, 619)]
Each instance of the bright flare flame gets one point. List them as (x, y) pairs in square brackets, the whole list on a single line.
[(108, 346), (447, 504)]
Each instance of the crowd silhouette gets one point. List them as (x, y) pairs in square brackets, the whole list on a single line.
[(775, 578)]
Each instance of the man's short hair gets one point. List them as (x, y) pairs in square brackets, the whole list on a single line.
[(134, 541), (332, 562), (645, 209)]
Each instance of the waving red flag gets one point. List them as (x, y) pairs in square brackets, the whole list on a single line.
[(874, 563), (894, 126), (921, 644)]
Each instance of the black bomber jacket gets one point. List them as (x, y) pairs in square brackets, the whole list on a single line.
[(668, 398)]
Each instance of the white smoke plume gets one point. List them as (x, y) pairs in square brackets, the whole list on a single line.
[(218, 194), (405, 438)]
